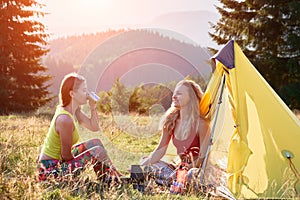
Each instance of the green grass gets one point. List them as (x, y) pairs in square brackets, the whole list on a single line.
[(21, 138)]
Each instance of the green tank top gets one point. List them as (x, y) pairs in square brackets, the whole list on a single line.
[(52, 143)]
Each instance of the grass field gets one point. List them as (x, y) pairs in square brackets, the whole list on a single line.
[(126, 139), (21, 137)]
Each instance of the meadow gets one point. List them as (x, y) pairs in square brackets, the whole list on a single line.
[(127, 139)]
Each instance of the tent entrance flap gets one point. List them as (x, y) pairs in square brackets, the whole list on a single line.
[(220, 99)]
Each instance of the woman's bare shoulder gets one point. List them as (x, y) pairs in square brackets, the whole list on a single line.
[(64, 120)]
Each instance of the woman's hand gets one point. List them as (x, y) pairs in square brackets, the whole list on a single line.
[(92, 102), (91, 123), (145, 161)]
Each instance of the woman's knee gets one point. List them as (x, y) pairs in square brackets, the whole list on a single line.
[(193, 174), (93, 153), (94, 142), (98, 151)]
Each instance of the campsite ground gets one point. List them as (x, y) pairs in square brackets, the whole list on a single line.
[(21, 137)]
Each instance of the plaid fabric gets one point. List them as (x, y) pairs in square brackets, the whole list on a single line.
[(90, 151)]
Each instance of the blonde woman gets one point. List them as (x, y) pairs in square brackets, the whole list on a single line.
[(184, 125)]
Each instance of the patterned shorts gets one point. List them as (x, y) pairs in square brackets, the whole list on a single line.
[(56, 168), (83, 156)]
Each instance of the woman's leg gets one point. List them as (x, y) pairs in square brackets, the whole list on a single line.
[(83, 146), (193, 175), (47, 168), (97, 156)]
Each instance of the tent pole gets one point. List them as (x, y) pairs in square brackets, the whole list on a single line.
[(212, 133)]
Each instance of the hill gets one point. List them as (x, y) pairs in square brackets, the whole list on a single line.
[(68, 53), (133, 56)]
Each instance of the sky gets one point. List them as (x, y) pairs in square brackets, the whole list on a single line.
[(77, 16)]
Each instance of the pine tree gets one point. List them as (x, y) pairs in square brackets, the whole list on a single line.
[(268, 32), (22, 44)]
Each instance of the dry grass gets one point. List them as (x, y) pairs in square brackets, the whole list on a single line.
[(21, 138)]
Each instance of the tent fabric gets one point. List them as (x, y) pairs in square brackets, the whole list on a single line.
[(226, 55), (254, 131)]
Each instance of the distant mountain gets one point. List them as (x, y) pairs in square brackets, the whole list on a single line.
[(75, 48), (144, 56), (193, 25), (68, 53), (134, 57)]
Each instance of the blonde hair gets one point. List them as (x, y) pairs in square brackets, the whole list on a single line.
[(172, 114), (70, 82)]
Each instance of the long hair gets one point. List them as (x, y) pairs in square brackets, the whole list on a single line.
[(172, 114), (71, 82)]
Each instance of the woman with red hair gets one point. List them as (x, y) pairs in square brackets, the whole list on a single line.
[(61, 153)]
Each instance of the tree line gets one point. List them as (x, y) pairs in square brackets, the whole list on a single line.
[(145, 99), (139, 99)]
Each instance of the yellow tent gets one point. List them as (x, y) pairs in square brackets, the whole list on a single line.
[(255, 150)]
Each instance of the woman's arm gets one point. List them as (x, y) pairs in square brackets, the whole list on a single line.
[(160, 150), (91, 123), (204, 139), (64, 126)]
